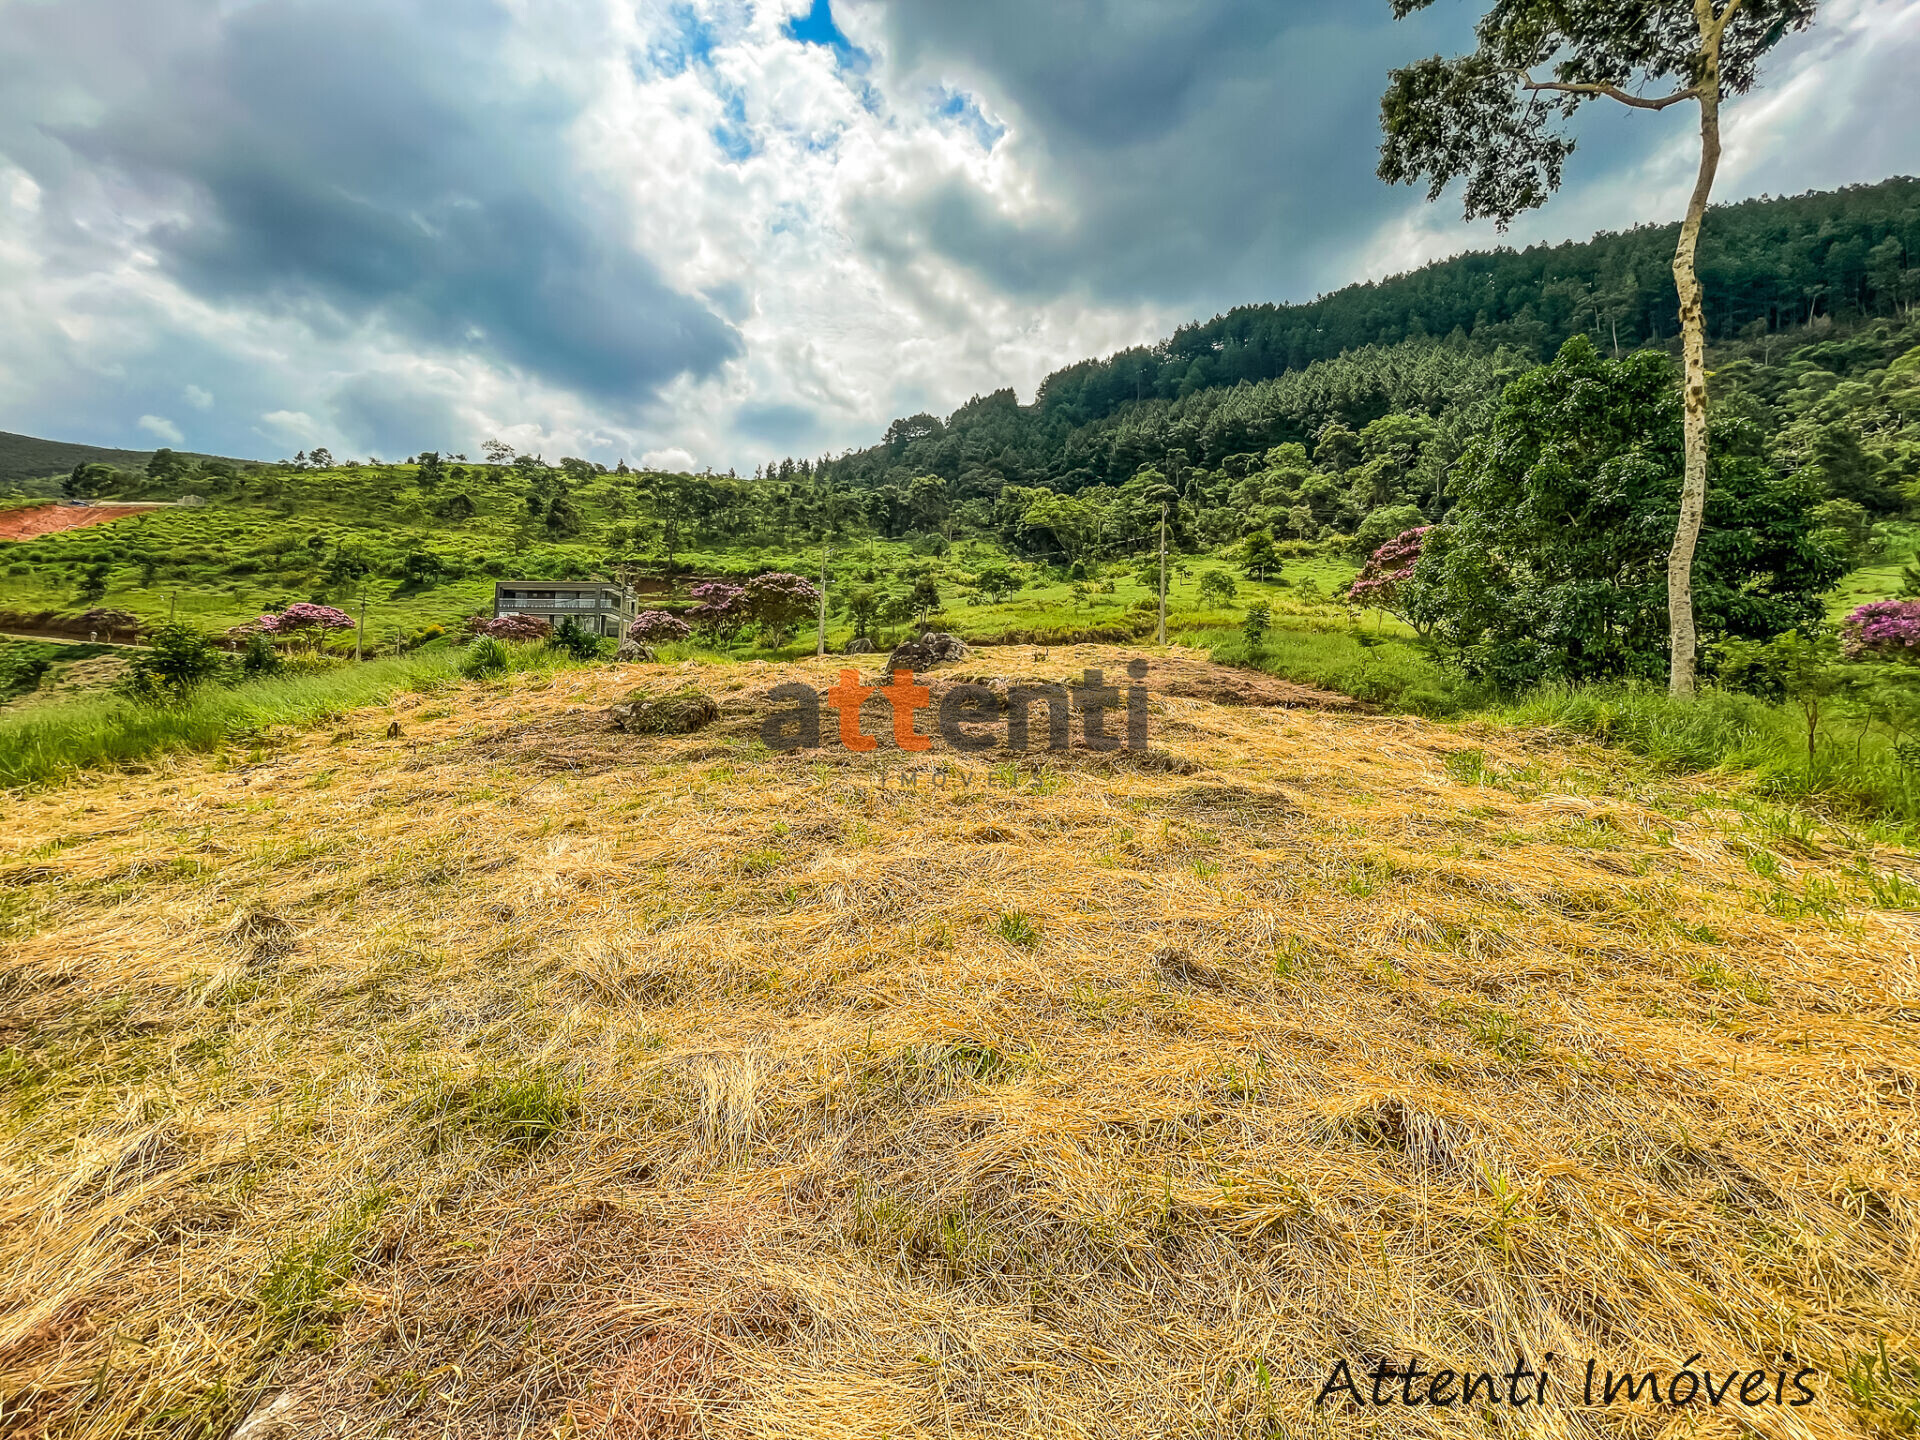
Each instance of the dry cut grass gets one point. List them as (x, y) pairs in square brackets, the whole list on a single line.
[(513, 1077)]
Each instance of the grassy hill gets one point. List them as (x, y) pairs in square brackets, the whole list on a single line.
[(463, 1067), (25, 459)]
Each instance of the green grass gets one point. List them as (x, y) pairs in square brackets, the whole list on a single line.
[(1378, 667), (59, 741), (1736, 734)]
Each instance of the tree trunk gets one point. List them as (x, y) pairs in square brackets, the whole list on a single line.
[(1683, 640)]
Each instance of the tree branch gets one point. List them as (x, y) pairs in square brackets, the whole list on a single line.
[(1726, 16), (1612, 92)]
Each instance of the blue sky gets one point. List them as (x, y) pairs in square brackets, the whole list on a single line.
[(720, 231)]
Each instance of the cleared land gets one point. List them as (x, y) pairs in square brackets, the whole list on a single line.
[(513, 1076), (29, 521)]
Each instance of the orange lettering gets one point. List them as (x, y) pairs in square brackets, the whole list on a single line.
[(907, 697), (847, 697)]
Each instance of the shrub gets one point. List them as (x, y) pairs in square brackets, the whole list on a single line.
[(575, 639), (486, 657), (176, 661), (307, 621), (509, 627), (657, 627), (259, 658), (1886, 629), (1254, 628)]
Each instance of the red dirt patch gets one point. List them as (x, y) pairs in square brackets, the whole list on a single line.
[(31, 521)]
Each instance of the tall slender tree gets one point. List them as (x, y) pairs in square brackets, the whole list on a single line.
[(1494, 118)]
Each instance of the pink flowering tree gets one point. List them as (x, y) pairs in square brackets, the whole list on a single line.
[(1883, 630), (779, 601), (511, 627), (719, 610), (658, 627), (305, 622), (1386, 582)]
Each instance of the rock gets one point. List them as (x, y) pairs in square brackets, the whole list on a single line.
[(633, 652), (678, 714), (923, 652), (862, 646)]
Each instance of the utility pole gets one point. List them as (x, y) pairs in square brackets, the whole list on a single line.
[(360, 635), (823, 599), (1163, 573)]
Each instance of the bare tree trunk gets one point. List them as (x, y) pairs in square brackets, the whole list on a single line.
[(1684, 640)]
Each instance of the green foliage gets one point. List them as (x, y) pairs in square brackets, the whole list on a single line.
[(1253, 629), (258, 658), (1552, 563), (572, 637), (22, 668), (1258, 557), (1217, 587), (176, 661), (296, 1294), (93, 583), (1384, 524), (1476, 118), (1018, 928), (485, 658), (1804, 670)]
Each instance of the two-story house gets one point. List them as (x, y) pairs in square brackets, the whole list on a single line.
[(601, 607)]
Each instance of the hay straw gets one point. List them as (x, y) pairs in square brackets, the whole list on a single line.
[(516, 1077)]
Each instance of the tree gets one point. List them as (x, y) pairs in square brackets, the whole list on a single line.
[(1485, 117), (997, 582), (85, 480), (1253, 629), (860, 603), (671, 500), (1387, 582), (498, 452), (164, 465), (1258, 557), (321, 458), (431, 471), (1217, 587), (1803, 670), (1549, 565), (93, 582), (778, 601)]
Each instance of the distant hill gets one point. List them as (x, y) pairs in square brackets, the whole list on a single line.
[(24, 459), (1770, 267)]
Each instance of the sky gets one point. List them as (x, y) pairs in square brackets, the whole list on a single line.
[(711, 233)]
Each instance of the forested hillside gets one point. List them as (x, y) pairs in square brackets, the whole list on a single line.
[(1777, 272), (25, 459)]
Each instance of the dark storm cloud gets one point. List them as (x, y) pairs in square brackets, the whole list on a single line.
[(355, 160), (1198, 152)]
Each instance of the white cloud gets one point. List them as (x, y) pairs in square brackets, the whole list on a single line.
[(162, 428), (673, 459), (813, 205), (289, 425)]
